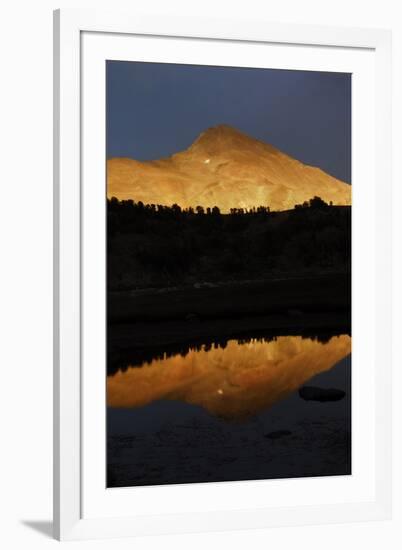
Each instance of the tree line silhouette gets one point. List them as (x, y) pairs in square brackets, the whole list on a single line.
[(156, 245), (142, 356)]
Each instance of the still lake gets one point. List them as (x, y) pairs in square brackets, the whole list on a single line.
[(231, 412)]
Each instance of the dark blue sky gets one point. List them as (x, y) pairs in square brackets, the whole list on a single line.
[(157, 109)]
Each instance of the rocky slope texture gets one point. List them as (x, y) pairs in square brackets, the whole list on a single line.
[(224, 168)]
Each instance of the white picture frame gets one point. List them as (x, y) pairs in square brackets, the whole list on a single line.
[(81, 507)]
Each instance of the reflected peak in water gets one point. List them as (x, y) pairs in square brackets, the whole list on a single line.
[(235, 382)]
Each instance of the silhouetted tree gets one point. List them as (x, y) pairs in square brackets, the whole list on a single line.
[(317, 202)]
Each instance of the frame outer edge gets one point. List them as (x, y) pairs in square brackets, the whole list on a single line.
[(233, 29), (56, 270), (67, 25), (66, 235), (383, 425)]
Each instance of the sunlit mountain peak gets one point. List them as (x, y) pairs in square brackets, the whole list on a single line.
[(226, 168)]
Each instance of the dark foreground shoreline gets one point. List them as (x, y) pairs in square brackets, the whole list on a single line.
[(287, 295)]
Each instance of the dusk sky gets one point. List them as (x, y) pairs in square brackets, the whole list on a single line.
[(157, 109)]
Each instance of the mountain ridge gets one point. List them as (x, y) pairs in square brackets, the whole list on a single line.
[(227, 168)]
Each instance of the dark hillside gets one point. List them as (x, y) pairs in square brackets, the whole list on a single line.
[(152, 246)]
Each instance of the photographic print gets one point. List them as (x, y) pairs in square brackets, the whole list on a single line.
[(228, 273)]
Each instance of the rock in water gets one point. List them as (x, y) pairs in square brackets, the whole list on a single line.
[(313, 393)]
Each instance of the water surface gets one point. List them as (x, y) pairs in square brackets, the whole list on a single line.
[(231, 412)]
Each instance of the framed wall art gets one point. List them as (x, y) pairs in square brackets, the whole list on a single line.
[(222, 243)]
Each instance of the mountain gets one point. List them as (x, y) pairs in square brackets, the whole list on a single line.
[(224, 168), (234, 382)]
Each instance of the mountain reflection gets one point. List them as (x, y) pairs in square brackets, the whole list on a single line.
[(234, 382)]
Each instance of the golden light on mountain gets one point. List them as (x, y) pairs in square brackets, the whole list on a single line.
[(224, 168), (234, 382)]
